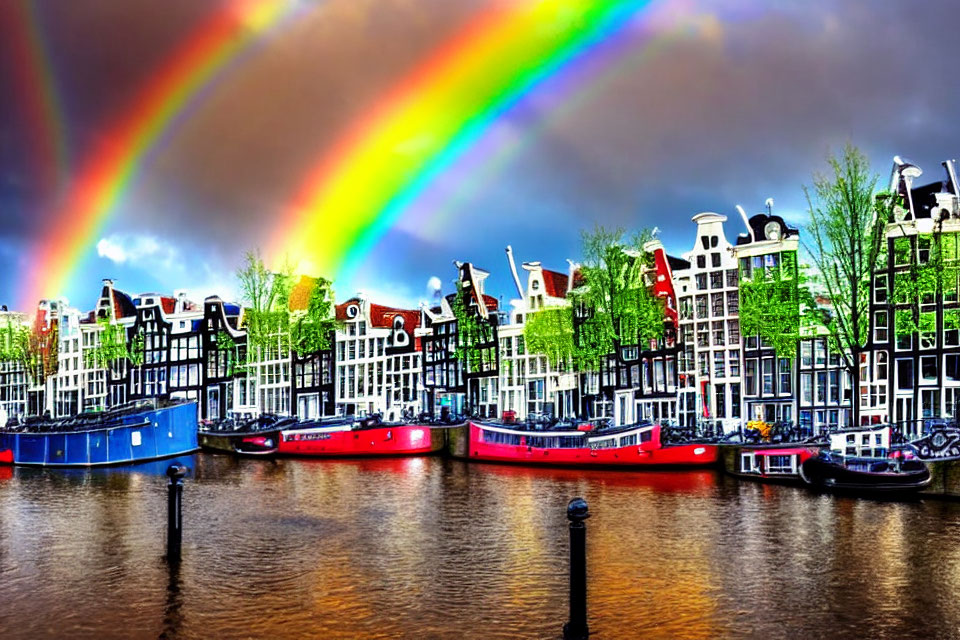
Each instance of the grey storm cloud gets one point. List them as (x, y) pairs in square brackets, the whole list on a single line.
[(743, 105)]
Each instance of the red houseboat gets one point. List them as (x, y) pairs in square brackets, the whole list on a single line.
[(363, 438), (634, 446)]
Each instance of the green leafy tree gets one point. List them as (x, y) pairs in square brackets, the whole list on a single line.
[(550, 332), (845, 238), (267, 295), (775, 303), (614, 306), (111, 345)]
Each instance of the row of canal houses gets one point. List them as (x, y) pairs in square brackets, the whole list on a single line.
[(704, 370)]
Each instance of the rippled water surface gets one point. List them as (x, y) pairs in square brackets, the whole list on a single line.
[(432, 548)]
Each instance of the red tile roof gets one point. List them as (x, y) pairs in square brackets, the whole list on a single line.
[(382, 316), (555, 283), (491, 302), (168, 304)]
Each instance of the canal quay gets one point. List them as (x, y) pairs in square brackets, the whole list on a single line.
[(438, 548)]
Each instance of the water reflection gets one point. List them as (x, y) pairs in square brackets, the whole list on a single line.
[(426, 547)]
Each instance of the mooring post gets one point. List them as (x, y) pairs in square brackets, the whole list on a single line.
[(175, 511), (576, 628)]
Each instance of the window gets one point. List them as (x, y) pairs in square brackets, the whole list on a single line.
[(880, 329), (701, 307), (734, 400), (732, 278), (733, 302), (923, 249), (821, 387), (951, 369), (905, 374), (820, 350), (701, 282), (880, 289), (701, 262), (745, 270), (806, 354), (785, 373), (703, 334), (930, 403), (716, 279), (733, 331), (834, 387), (718, 371), (715, 259), (806, 389), (718, 337), (705, 243), (928, 369), (721, 398), (750, 379), (768, 376), (716, 304)]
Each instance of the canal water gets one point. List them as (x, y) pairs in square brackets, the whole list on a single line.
[(433, 548)]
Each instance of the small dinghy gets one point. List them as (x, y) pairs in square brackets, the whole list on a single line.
[(834, 472)]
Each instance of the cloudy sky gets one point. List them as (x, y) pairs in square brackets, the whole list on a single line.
[(690, 106)]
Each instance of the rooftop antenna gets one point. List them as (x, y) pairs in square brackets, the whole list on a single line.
[(746, 222), (769, 205)]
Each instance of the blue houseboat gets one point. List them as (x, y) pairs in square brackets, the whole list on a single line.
[(135, 433)]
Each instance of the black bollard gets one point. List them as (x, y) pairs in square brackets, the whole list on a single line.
[(175, 511), (576, 628)]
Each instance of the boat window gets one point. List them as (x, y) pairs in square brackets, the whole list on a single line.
[(627, 441), (496, 437), (646, 436), (746, 462), (780, 464)]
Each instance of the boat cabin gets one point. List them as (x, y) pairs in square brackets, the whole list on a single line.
[(862, 443)]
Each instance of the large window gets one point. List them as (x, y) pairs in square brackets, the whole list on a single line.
[(905, 374), (768, 376), (785, 372), (928, 369), (806, 388), (750, 379), (806, 354)]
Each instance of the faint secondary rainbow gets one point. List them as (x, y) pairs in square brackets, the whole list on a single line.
[(109, 171), (360, 188), (42, 107)]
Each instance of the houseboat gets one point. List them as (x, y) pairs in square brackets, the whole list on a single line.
[(253, 437), (347, 437), (861, 461), (630, 446), (138, 432), (770, 463)]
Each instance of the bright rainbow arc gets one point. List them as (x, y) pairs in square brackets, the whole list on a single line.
[(112, 167), (42, 103), (358, 190), (494, 165)]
